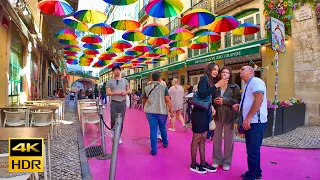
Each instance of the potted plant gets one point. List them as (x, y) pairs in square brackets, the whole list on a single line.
[(279, 120), (293, 114)]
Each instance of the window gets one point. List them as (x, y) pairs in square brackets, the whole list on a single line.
[(173, 59), (231, 40), (196, 52), (156, 64)]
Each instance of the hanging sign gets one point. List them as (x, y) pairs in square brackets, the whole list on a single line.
[(278, 35)]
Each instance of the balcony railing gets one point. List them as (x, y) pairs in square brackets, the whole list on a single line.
[(142, 12), (223, 6), (203, 4), (174, 24)]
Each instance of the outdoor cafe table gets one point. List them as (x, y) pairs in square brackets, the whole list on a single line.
[(28, 132)]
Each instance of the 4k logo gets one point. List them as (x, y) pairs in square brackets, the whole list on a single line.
[(26, 155)]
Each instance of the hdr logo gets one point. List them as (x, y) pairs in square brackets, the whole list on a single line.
[(26, 155)]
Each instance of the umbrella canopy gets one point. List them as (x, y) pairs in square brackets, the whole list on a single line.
[(120, 2), (155, 30), (142, 48), (70, 57), (198, 45), (91, 38), (90, 16), (150, 62), (55, 7), (176, 51), (179, 43), (91, 52), (157, 59), (181, 34), (133, 35), (104, 58), (106, 54), (68, 42), (246, 29), (208, 37), (198, 17), (103, 62), (121, 44), (69, 53), (75, 24), (134, 61), (92, 46), (164, 8), (224, 24), (200, 31), (72, 48), (151, 54), (101, 29), (158, 41), (131, 52), (111, 49), (125, 24), (163, 50), (66, 34), (88, 55), (126, 66)]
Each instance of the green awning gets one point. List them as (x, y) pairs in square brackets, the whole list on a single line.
[(232, 52)]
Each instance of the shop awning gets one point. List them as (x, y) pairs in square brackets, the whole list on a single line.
[(232, 52)]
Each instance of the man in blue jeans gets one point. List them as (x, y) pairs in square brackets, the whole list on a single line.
[(254, 110), (157, 101)]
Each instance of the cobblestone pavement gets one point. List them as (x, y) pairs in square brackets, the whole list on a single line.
[(304, 137)]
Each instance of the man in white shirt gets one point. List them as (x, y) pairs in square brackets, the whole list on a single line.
[(254, 112)]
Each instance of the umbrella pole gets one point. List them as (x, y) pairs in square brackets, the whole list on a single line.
[(275, 94)]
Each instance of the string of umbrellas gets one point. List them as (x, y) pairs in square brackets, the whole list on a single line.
[(161, 43)]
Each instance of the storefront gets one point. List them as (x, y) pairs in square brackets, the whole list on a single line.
[(34, 77)]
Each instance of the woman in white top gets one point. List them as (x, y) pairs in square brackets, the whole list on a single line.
[(176, 93)]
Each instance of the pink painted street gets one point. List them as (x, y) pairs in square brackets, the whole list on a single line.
[(136, 163)]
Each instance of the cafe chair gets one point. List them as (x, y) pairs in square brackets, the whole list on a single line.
[(41, 119), (89, 115), (14, 118)]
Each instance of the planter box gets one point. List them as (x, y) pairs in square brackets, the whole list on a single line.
[(293, 117), (279, 122)]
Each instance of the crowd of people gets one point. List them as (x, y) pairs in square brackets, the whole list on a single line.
[(227, 106)]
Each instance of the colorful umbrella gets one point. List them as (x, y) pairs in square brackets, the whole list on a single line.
[(88, 55), (125, 24), (132, 52), (69, 53), (164, 8), (92, 46), (55, 7), (155, 30), (126, 66), (120, 2), (101, 29), (198, 17), (151, 62), (111, 49), (158, 41), (176, 50), (163, 50), (121, 44), (91, 38), (91, 52), (181, 34), (198, 45), (157, 59), (209, 37), (151, 54), (143, 58), (70, 57), (66, 34), (200, 31), (68, 42), (90, 16), (133, 35), (104, 58), (134, 61), (111, 55), (179, 43), (224, 24), (75, 24), (142, 48), (246, 29), (124, 58), (72, 48), (103, 62)]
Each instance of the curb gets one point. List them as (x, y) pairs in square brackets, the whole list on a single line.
[(281, 146), (85, 170)]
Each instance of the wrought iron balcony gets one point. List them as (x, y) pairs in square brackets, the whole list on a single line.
[(174, 24), (203, 4), (223, 6), (142, 13)]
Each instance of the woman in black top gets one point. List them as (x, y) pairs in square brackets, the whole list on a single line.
[(207, 86)]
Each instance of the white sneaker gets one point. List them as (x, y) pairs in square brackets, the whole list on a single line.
[(226, 167), (215, 165), (111, 134), (120, 142)]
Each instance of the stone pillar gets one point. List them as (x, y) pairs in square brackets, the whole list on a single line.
[(306, 44)]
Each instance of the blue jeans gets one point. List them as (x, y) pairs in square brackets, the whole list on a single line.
[(104, 97), (254, 137), (155, 121)]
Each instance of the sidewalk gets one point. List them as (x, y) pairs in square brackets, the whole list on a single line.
[(136, 163)]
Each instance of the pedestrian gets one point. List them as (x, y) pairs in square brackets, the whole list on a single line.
[(200, 118), (253, 109), (189, 91), (227, 96), (117, 88), (176, 93), (156, 101), (96, 91), (104, 93)]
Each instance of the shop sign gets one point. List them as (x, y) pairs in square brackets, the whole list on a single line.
[(227, 55), (303, 13)]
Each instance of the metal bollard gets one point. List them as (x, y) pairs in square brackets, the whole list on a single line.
[(104, 155), (114, 155)]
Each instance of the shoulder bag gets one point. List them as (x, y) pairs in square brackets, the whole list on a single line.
[(127, 97), (240, 116), (201, 103)]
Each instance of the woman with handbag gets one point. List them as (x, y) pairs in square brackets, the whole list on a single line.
[(227, 96), (200, 116)]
